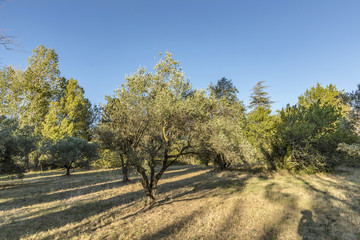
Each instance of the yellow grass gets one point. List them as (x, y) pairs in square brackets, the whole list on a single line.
[(194, 203)]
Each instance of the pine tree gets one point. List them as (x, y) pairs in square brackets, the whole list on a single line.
[(260, 123), (260, 98), (224, 89)]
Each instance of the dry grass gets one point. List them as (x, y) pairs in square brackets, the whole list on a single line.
[(194, 203)]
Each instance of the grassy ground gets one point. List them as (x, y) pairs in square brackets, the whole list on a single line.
[(194, 203)]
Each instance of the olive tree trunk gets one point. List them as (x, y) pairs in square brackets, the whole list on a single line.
[(68, 170), (124, 168)]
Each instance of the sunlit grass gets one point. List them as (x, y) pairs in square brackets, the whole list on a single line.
[(194, 203)]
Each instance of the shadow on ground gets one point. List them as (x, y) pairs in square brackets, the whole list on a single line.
[(61, 215), (329, 217)]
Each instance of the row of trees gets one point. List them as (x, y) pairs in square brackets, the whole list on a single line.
[(38, 108), (156, 118)]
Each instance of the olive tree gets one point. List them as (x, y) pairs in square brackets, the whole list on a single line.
[(111, 139), (156, 115), (15, 145), (222, 139), (70, 151)]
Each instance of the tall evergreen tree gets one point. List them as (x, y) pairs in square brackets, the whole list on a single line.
[(41, 86), (71, 116), (224, 89), (259, 97), (260, 123)]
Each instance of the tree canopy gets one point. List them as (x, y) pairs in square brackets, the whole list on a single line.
[(224, 89), (70, 151), (15, 145)]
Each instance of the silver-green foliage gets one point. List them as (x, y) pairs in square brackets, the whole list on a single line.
[(70, 151), (15, 145), (155, 117)]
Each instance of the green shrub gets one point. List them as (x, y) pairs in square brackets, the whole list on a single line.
[(307, 138)]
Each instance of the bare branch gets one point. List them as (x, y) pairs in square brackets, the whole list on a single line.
[(7, 41)]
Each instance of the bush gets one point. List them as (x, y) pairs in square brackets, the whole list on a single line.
[(307, 138), (108, 159)]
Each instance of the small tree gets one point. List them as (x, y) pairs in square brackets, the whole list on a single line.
[(222, 138), (70, 151), (111, 140), (223, 141)]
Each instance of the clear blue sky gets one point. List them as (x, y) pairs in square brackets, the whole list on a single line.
[(291, 45)]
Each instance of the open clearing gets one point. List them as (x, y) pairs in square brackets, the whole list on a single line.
[(194, 203)]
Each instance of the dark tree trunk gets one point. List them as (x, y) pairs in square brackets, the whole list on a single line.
[(124, 169), (67, 171), (268, 157), (220, 161), (125, 174), (148, 187)]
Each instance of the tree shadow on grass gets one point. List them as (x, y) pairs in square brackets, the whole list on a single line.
[(26, 176), (351, 189), (174, 228), (201, 189), (81, 210), (49, 183), (273, 192), (44, 197), (329, 210), (75, 185), (332, 213), (181, 170), (327, 196)]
